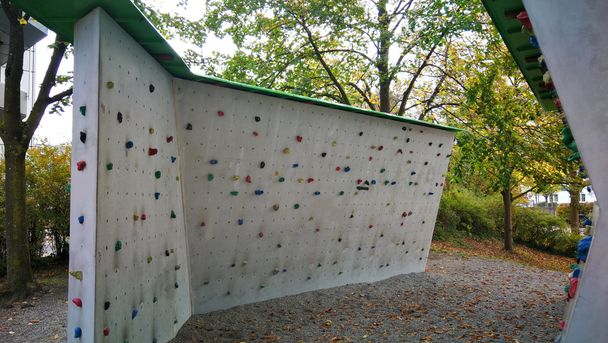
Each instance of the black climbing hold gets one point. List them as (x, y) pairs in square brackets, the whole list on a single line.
[(83, 136), (362, 188), (151, 88), (407, 140), (323, 154), (119, 117), (361, 133), (156, 195), (167, 253), (129, 144), (176, 285), (404, 128), (212, 161), (262, 165), (106, 305), (188, 126), (295, 165), (257, 118)]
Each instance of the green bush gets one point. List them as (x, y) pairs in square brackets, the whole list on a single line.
[(544, 231)]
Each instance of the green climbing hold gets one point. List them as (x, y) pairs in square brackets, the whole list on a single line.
[(149, 259), (210, 177), (234, 193), (341, 193), (110, 84), (382, 170), (296, 206), (109, 166), (83, 110), (157, 174), (118, 246), (386, 182), (173, 216), (281, 179), (155, 299)]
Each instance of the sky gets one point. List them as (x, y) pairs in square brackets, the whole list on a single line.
[(57, 129)]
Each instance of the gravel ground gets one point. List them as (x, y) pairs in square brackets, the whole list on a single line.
[(457, 300)]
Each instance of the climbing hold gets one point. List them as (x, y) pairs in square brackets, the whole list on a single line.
[(77, 332), (220, 113), (262, 165), (236, 178), (106, 305), (119, 117), (154, 340), (400, 151), (106, 331), (346, 169), (299, 139), (317, 193), (151, 88), (524, 20), (118, 246), (341, 193), (157, 174), (338, 168), (257, 118), (189, 127), (394, 183), (261, 234), (234, 193), (310, 180), (203, 224), (149, 259), (255, 133), (373, 182), (173, 216), (281, 179), (109, 166), (359, 181), (133, 313), (296, 206), (360, 133), (83, 110), (151, 130), (156, 195), (295, 165), (334, 143), (413, 173), (167, 253), (382, 170), (380, 148), (81, 219), (370, 226), (135, 217), (152, 151), (83, 137), (173, 159), (248, 179), (259, 192), (77, 302), (323, 154), (386, 182), (80, 165), (169, 139), (275, 207), (286, 151), (212, 161), (129, 144), (177, 267), (77, 275), (210, 177), (300, 180)]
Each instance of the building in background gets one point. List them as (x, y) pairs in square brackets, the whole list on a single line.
[(33, 33), (552, 200)]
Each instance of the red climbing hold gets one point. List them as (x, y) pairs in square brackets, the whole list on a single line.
[(169, 139), (404, 214), (203, 224), (220, 113), (370, 158), (143, 216), (299, 139), (524, 19), (310, 179), (152, 151), (380, 148), (261, 234), (248, 179), (359, 181), (338, 168), (370, 226), (255, 133), (400, 151), (106, 331), (80, 165), (77, 302)]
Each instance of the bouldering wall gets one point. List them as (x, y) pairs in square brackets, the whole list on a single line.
[(190, 197), (126, 137), (283, 197)]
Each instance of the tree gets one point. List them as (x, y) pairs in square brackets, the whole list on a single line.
[(510, 142), (16, 135), (385, 55)]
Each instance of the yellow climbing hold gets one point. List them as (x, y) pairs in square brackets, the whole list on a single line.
[(151, 130), (110, 84), (286, 151), (334, 143), (236, 178), (22, 21), (77, 275), (300, 180)]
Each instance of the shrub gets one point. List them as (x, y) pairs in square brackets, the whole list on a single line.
[(542, 230)]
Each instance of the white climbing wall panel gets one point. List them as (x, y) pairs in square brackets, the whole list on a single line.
[(197, 197), (282, 197)]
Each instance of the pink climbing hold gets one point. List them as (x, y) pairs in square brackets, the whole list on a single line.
[(80, 165), (106, 331), (220, 113), (169, 139), (77, 302), (562, 324), (299, 139), (152, 151), (248, 179)]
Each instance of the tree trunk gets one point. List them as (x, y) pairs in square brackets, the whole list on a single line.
[(507, 201), (575, 198), (384, 44), (19, 271)]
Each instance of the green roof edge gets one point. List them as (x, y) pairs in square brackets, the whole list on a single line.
[(57, 17)]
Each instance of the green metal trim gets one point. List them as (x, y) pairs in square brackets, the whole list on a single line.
[(519, 46), (61, 15)]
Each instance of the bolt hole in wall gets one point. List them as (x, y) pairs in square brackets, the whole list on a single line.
[(210, 197)]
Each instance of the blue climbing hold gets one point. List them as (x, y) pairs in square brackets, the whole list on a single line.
[(259, 192), (176, 285), (213, 162), (413, 173), (173, 158), (317, 193), (154, 340), (81, 219), (534, 42), (346, 169), (583, 248), (295, 165), (156, 195), (133, 314), (373, 182), (129, 144), (241, 221), (77, 332), (394, 183)]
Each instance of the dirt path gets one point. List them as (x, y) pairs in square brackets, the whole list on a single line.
[(459, 299)]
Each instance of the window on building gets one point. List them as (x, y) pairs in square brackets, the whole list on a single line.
[(582, 197)]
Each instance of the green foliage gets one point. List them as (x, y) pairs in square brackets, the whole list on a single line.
[(462, 210), (47, 204), (544, 231)]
